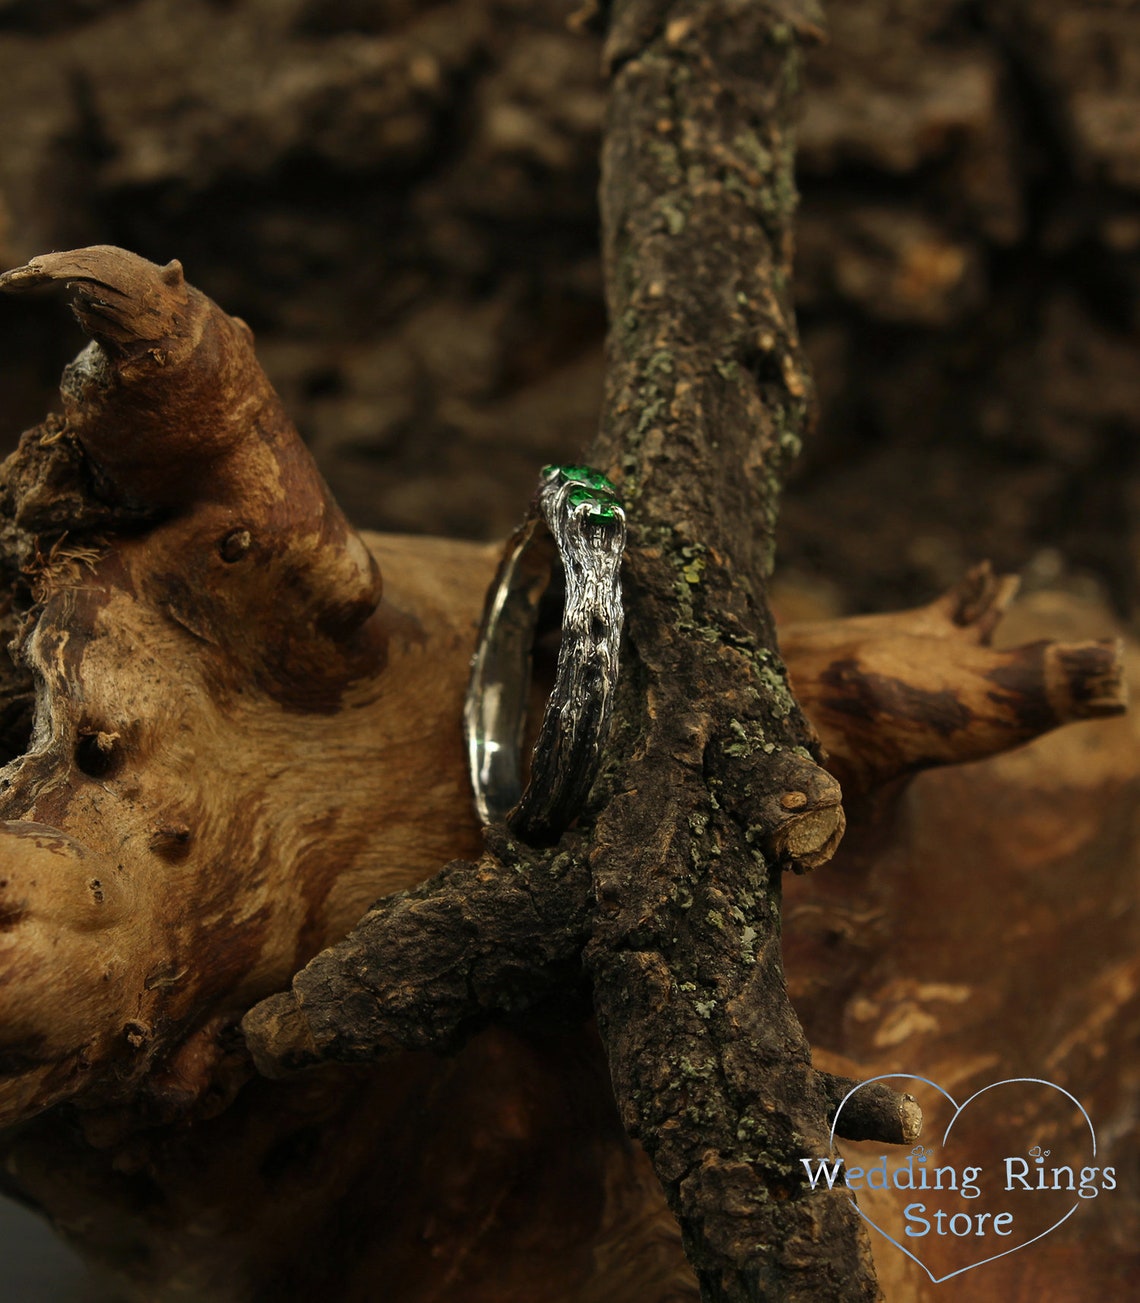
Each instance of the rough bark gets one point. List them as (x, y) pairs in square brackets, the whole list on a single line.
[(705, 399)]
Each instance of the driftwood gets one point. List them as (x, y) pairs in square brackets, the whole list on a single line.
[(894, 694), (982, 928), (195, 897), (236, 746)]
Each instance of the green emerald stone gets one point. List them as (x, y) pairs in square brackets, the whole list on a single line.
[(601, 507), (591, 478), (581, 475)]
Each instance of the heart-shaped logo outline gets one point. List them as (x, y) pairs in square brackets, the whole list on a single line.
[(958, 1108)]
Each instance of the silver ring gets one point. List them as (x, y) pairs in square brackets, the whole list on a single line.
[(571, 541)]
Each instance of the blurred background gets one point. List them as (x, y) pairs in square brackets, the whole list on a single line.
[(399, 197)]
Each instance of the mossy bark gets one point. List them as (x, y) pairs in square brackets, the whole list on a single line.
[(714, 789)]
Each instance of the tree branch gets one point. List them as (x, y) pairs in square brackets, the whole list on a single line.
[(896, 693), (669, 891), (706, 399), (424, 969), (711, 787)]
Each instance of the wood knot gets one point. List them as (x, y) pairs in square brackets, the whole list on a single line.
[(794, 800), (235, 545), (171, 841), (137, 1034), (97, 754)]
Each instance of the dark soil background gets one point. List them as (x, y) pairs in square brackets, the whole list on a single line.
[(399, 196)]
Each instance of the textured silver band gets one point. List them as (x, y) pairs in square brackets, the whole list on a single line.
[(573, 536)]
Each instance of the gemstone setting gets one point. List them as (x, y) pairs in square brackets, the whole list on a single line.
[(590, 492)]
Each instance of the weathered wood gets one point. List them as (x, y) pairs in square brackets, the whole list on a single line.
[(204, 637), (229, 819), (896, 693), (982, 928), (226, 767)]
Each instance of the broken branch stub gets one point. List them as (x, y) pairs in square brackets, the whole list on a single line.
[(903, 691), (196, 806), (176, 420)]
